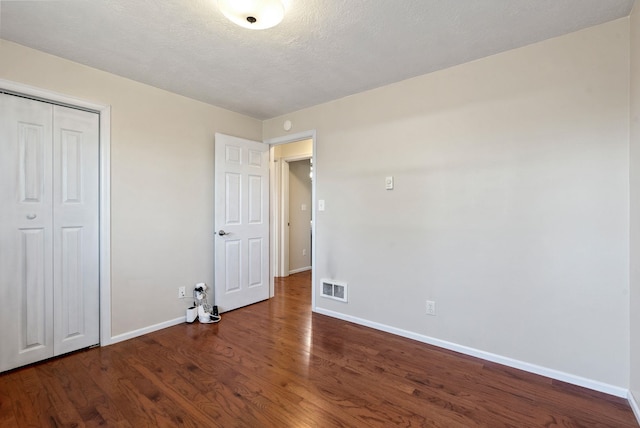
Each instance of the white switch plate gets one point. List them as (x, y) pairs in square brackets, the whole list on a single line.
[(303, 207), (320, 204), (431, 307), (388, 183)]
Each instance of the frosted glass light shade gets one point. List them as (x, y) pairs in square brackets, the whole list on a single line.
[(253, 14)]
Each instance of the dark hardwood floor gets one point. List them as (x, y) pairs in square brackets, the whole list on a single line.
[(274, 364)]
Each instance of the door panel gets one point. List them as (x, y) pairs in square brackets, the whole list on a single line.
[(26, 286), (233, 198), (71, 274), (75, 223), (255, 262), (33, 290), (71, 165), (256, 202), (31, 146), (242, 212), (232, 265)]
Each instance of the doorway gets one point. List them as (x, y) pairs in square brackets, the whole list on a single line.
[(285, 152), (297, 214)]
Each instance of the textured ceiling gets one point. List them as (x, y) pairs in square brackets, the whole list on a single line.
[(323, 50)]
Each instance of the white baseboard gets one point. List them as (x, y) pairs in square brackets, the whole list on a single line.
[(510, 362), (142, 331), (635, 405), (302, 269)]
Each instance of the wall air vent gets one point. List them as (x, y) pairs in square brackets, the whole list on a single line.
[(334, 290)]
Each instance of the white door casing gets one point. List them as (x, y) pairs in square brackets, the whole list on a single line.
[(286, 224), (49, 270), (241, 222)]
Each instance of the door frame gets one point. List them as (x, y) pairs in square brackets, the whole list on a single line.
[(274, 190), (104, 176)]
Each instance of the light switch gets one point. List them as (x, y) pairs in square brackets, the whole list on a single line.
[(303, 207), (388, 183), (320, 204)]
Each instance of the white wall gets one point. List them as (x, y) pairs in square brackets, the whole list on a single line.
[(299, 218), (635, 206), (510, 208), (162, 149)]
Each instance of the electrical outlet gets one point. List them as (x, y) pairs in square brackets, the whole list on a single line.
[(182, 292), (431, 307)]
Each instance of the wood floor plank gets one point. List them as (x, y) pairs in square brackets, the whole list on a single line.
[(15, 405), (48, 398), (275, 364)]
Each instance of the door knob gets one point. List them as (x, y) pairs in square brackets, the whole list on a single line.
[(31, 216), (222, 233)]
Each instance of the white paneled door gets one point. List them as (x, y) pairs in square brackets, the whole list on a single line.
[(241, 222), (49, 273)]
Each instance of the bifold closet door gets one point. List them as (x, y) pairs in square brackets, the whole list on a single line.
[(48, 230), (26, 231), (76, 286)]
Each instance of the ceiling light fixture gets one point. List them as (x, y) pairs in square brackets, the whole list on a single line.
[(253, 14)]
